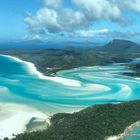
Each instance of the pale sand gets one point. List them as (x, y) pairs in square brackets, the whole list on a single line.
[(125, 133), (97, 87), (137, 78), (32, 70), (4, 90), (15, 117), (125, 92)]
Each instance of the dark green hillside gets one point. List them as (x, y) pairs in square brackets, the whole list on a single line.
[(135, 68), (60, 59), (119, 46), (93, 123), (70, 57)]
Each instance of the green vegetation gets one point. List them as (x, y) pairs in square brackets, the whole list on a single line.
[(50, 61), (92, 123), (135, 67)]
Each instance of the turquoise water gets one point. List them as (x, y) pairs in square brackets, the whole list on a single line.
[(134, 134), (18, 85), (98, 85)]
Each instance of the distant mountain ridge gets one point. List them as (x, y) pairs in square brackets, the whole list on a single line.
[(117, 46), (114, 46), (39, 44)]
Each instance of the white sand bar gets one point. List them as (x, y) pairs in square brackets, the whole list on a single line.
[(15, 117), (32, 70)]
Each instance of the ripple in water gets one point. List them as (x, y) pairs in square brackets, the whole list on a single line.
[(76, 89), (23, 89)]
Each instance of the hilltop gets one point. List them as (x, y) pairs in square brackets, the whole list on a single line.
[(119, 46), (72, 57)]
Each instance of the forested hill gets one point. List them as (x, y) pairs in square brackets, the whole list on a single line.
[(118, 46), (72, 57), (93, 123)]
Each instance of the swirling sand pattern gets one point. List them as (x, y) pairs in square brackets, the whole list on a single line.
[(96, 85), (23, 89)]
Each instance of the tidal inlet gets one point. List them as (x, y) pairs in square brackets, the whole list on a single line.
[(25, 93)]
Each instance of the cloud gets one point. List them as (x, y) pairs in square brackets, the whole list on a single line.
[(55, 4), (107, 34), (90, 33), (45, 19), (99, 9), (54, 17), (133, 5), (119, 34)]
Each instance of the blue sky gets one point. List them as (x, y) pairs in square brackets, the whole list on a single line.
[(89, 20), (12, 14)]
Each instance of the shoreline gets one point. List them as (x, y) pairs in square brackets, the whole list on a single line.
[(33, 71), (10, 118), (125, 133), (17, 114), (90, 112), (68, 82)]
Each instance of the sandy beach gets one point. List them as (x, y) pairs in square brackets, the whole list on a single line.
[(96, 87), (125, 133), (15, 117), (32, 70)]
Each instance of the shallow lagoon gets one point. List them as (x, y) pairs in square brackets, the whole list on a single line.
[(133, 134), (77, 89)]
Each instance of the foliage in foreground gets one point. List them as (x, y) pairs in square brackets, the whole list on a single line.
[(92, 123)]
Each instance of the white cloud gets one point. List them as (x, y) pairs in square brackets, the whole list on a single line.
[(70, 20), (97, 9), (90, 33), (55, 4), (55, 17), (45, 19), (133, 4)]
